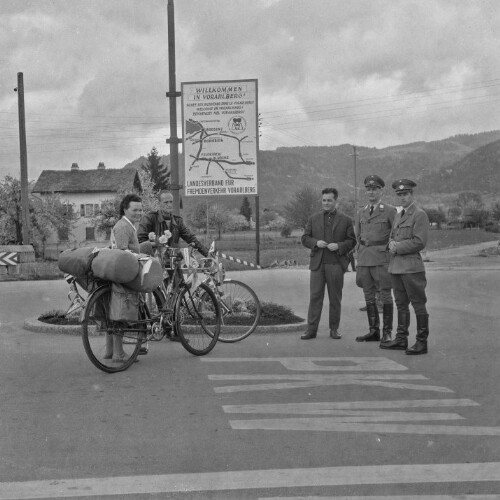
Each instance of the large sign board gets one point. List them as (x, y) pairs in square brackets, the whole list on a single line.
[(220, 137)]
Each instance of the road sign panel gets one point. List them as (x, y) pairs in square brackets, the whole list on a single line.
[(9, 258)]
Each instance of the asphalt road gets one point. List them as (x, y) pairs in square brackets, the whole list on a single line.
[(270, 417)]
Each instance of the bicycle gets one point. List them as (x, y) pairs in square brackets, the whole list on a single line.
[(188, 310), (239, 304)]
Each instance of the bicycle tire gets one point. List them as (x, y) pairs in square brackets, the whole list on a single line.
[(96, 324), (240, 310), (197, 319)]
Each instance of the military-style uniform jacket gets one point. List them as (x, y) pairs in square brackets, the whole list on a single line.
[(372, 234), (410, 232), (342, 234)]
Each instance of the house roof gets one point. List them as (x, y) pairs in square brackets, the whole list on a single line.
[(87, 181)]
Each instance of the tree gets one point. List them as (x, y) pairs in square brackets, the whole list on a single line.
[(47, 214), (495, 211), (110, 208), (246, 209), (470, 200), (156, 171), (436, 215), (304, 203), (218, 217)]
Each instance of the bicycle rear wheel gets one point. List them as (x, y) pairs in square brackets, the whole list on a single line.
[(240, 308), (98, 333), (197, 319)]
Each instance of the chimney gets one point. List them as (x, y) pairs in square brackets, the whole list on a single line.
[(101, 166), (74, 167)]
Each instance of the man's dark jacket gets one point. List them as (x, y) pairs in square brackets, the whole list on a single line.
[(342, 234), (154, 222)]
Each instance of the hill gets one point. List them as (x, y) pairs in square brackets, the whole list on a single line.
[(283, 171), (477, 171)]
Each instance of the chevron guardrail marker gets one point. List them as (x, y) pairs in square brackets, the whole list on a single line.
[(9, 258)]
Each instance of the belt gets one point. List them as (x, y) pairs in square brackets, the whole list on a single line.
[(373, 243)]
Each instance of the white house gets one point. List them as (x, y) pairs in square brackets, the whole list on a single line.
[(83, 191)]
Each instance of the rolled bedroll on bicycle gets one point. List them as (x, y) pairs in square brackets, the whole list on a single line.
[(115, 317)]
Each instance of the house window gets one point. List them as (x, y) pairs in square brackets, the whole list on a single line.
[(90, 233), (67, 210), (89, 209)]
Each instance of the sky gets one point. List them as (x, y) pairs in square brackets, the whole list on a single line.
[(365, 72)]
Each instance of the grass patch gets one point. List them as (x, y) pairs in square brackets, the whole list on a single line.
[(57, 317), (276, 314)]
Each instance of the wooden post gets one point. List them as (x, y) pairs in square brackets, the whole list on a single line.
[(25, 216)]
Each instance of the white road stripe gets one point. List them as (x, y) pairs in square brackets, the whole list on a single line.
[(345, 364), (295, 381), (252, 479), (391, 497), (382, 416), (332, 424), (328, 407)]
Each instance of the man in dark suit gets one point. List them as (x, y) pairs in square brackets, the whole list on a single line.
[(330, 236)]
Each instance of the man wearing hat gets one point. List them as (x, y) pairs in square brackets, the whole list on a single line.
[(408, 239), (373, 226)]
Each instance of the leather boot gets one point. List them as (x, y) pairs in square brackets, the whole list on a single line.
[(373, 323), (387, 315), (420, 346), (400, 343)]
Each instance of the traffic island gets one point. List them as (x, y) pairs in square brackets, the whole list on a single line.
[(35, 325)]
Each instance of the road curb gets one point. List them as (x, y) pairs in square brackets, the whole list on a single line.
[(34, 325)]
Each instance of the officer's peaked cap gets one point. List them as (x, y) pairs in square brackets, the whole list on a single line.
[(402, 185), (374, 181)]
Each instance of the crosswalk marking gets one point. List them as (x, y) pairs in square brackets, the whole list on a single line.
[(344, 364), (295, 381), (390, 497), (328, 407), (336, 425), (251, 479)]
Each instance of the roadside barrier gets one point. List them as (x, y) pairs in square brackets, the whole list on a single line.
[(239, 261)]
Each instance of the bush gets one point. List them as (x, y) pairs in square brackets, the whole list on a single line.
[(58, 318), (275, 314), (286, 231)]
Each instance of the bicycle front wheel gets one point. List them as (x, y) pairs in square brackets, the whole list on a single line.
[(103, 337), (197, 319), (240, 308)]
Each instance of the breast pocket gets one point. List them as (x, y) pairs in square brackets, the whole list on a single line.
[(405, 232)]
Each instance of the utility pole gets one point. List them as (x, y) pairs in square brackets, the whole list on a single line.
[(355, 155), (172, 95), (25, 222)]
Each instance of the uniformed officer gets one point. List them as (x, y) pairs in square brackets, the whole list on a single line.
[(408, 239), (373, 226)]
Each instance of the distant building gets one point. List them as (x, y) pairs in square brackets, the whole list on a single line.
[(82, 192)]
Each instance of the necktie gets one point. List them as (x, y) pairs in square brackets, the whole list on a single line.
[(371, 209), (402, 212)]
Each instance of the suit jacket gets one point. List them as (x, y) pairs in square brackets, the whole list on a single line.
[(125, 236), (342, 233), (372, 234), (410, 232)]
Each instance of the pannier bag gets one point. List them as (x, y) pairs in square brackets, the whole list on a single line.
[(76, 261), (124, 303), (149, 277), (115, 265)]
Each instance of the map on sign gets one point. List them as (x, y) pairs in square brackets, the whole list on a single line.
[(220, 138)]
